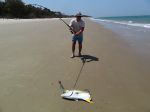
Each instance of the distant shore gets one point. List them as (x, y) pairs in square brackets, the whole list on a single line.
[(35, 55), (5, 20)]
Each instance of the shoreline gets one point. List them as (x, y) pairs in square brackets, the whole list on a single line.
[(136, 37)]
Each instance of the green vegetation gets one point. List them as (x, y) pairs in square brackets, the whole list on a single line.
[(18, 9)]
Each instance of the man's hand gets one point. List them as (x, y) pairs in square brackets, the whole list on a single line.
[(72, 31), (79, 32)]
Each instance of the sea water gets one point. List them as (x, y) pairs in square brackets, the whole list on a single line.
[(133, 29)]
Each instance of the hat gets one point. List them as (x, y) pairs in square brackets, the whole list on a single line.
[(79, 14)]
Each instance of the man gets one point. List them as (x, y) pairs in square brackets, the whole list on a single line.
[(77, 27)]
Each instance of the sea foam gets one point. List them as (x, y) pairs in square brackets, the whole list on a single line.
[(130, 23)]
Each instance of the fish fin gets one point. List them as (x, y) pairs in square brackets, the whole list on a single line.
[(89, 101), (61, 87)]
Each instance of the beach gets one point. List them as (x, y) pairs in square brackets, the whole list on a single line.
[(35, 55)]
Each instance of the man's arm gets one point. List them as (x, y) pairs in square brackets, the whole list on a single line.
[(71, 27), (80, 31)]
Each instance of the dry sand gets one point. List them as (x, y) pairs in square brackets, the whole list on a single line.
[(35, 55)]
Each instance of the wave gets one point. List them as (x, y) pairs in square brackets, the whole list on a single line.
[(130, 23)]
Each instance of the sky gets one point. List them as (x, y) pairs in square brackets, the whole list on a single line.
[(97, 8)]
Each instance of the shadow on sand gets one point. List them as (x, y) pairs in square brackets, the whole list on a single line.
[(88, 58)]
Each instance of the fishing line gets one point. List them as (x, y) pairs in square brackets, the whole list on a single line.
[(79, 74)]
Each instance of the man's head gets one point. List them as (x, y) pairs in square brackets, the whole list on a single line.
[(78, 16)]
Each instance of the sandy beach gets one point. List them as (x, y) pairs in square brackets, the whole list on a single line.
[(35, 55)]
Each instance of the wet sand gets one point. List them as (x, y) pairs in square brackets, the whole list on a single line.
[(34, 56)]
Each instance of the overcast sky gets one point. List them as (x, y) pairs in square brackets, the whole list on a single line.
[(97, 8)]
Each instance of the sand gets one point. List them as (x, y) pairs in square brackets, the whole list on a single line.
[(34, 56)]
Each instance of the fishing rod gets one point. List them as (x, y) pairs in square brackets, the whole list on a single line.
[(70, 28)]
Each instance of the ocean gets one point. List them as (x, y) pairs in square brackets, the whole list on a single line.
[(135, 30), (141, 21)]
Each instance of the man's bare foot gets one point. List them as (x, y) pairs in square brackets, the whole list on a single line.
[(72, 56)]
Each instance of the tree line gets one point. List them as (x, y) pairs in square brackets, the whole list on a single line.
[(18, 9)]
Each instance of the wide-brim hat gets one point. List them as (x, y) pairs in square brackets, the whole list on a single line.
[(79, 14)]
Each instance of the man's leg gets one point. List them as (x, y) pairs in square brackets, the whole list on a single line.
[(73, 49), (80, 40), (80, 48)]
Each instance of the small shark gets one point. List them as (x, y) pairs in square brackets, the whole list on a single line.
[(75, 94)]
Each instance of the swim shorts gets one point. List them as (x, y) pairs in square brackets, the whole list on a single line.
[(77, 38)]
